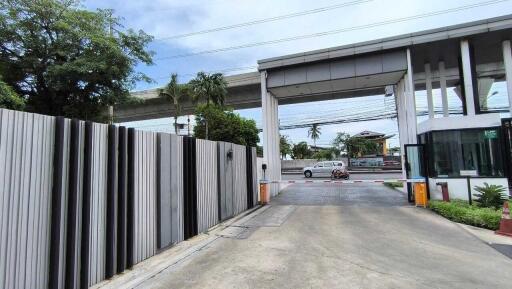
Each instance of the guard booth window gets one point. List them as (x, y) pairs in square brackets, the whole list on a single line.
[(456, 150)]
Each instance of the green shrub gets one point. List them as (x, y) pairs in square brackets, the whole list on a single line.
[(394, 184), (461, 212), (490, 196)]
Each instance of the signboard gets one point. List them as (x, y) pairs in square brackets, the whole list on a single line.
[(472, 173), (490, 134)]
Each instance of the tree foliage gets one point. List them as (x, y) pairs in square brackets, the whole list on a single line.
[(176, 93), (225, 125), (9, 98), (301, 151), (210, 89), (354, 146), (314, 133), (285, 147), (68, 61), (328, 154)]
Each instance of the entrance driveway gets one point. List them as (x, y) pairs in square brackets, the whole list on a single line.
[(320, 194), (356, 236)]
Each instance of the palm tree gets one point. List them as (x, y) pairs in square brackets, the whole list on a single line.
[(210, 88), (176, 93), (314, 133)]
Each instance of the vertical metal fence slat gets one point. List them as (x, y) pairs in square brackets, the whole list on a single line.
[(57, 196), (111, 202), (122, 187), (130, 200), (86, 206), (73, 205)]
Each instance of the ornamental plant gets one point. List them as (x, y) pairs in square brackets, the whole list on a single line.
[(490, 196)]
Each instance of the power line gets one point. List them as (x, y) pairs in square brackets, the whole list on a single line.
[(231, 69), (337, 31), (265, 20)]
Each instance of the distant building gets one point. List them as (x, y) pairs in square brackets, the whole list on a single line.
[(379, 138)]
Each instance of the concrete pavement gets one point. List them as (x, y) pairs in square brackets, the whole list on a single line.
[(325, 237)]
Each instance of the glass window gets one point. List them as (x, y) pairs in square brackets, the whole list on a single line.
[(445, 153), (319, 165), (328, 164), (453, 151)]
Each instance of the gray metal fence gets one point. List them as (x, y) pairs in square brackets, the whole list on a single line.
[(82, 201), (207, 191)]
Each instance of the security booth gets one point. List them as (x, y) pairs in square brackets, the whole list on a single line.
[(464, 154)]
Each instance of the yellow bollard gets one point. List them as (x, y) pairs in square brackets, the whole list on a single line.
[(263, 193), (420, 194)]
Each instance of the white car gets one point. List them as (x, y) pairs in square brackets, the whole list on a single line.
[(327, 169)]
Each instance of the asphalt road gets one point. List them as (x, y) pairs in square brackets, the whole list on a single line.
[(354, 176), (326, 236)]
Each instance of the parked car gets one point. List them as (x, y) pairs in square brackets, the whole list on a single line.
[(327, 169)]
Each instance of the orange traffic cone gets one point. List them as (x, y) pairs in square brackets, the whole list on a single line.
[(505, 223)]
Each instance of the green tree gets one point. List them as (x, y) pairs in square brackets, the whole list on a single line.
[(327, 154), (210, 89), (285, 146), (225, 126), (394, 150), (353, 146), (259, 151), (66, 60), (323, 155), (176, 93), (314, 132), (301, 151), (9, 98)]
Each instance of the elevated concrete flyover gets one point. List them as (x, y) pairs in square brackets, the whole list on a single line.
[(243, 92)]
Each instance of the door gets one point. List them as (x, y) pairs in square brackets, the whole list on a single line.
[(327, 168), (415, 167), (317, 169), (506, 125)]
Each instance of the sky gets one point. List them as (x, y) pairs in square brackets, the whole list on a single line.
[(167, 18)]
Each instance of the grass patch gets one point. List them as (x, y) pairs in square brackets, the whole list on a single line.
[(394, 185), (461, 212)]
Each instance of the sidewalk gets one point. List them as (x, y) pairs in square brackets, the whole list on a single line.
[(501, 243)]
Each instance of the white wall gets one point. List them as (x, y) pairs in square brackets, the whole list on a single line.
[(457, 188), (460, 122)]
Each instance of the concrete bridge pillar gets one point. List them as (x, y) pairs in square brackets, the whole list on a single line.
[(271, 153)]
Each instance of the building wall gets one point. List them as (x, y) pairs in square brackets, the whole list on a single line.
[(457, 188)]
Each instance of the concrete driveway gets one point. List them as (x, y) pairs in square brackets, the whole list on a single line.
[(320, 236)]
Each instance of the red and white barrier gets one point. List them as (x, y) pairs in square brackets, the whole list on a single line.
[(345, 181)]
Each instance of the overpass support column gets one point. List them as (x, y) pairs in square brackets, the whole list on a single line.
[(507, 59), (271, 154), (428, 84), (410, 102), (467, 75), (444, 91)]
